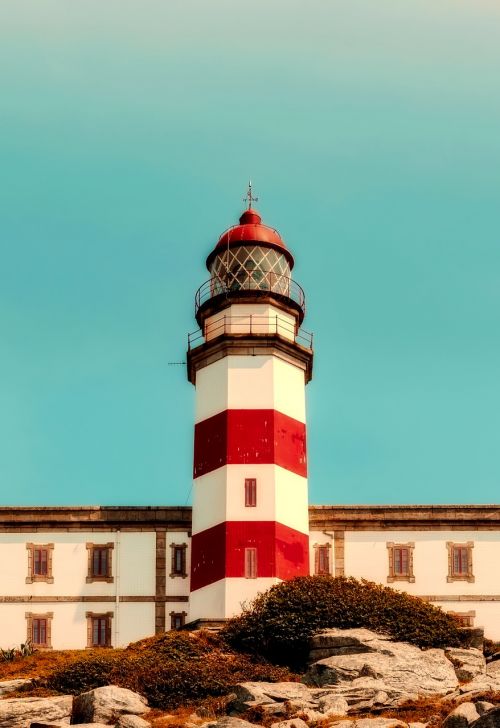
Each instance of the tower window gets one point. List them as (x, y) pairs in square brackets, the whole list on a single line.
[(250, 492), (178, 565), (250, 563)]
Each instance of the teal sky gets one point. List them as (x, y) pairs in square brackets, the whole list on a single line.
[(128, 131)]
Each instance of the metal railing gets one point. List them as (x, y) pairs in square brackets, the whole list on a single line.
[(253, 324), (257, 281)]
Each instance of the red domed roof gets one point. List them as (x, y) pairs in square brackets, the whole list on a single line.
[(251, 230)]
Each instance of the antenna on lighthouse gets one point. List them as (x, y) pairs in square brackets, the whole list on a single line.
[(249, 198)]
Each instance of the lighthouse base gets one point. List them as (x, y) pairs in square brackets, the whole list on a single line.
[(226, 598)]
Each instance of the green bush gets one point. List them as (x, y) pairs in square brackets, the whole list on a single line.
[(175, 668), (279, 622)]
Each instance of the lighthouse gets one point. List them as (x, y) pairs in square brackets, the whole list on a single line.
[(249, 362)]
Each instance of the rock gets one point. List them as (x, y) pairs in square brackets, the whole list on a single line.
[(107, 704), (417, 725), (461, 716), (482, 706), (469, 664), (369, 723), (229, 722), (331, 704), (252, 694), (292, 723), (132, 721), (22, 712), (65, 725), (332, 642), (395, 665), (493, 669), (8, 686), (366, 693), (491, 719)]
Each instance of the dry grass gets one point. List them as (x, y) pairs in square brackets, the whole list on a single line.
[(43, 663)]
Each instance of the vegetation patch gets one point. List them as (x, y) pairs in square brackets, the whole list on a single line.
[(170, 670), (278, 624)]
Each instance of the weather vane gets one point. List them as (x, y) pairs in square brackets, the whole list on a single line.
[(249, 196)]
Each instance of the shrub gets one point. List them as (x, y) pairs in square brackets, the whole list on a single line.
[(172, 669), (279, 622)]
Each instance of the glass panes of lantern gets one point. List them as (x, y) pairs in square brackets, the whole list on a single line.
[(250, 268)]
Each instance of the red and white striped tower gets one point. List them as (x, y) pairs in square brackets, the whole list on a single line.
[(250, 364)]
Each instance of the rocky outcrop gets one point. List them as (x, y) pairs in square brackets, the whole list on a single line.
[(395, 668), (469, 664), (132, 721), (491, 719), (8, 686), (22, 712), (107, 705), (253, 694), (462, 716)]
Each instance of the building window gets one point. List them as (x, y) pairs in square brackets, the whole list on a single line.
[(177, 620), (100, 566), (400, 562), (464, 619), (39, 629), (322, 558), (99, 629), (40, 563), (460, 561), (250, 492), (178, 566), (251, 563)]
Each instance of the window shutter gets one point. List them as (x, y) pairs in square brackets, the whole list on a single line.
[(108, 632), (316, 558), (250, 563)]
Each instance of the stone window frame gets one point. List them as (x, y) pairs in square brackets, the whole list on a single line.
[(90, 616), (32, 577), (90, 551), (173, 616), (410, 576), (48, 617), (176, 548), (318, 547), (466, 619), (452, 576)]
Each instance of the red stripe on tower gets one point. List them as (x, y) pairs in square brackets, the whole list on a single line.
[(236, 437), (219, 552)]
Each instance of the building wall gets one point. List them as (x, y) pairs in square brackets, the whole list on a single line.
[(145, 593)]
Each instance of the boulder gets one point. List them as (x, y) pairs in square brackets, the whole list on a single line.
[(491, 719), (252, 694), (461, 716), (482, 706), (369, 723), (292, 723), (493, 670), (107, 704), (8, 686), (65, 725), (469, 664), (332, 642), (397, 666), (229, 722), (132, 721), (22, 712), (331, 704)]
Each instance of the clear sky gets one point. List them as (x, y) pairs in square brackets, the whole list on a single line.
[(371, 131)]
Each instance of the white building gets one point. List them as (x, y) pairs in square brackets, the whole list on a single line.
[(92, 576)]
